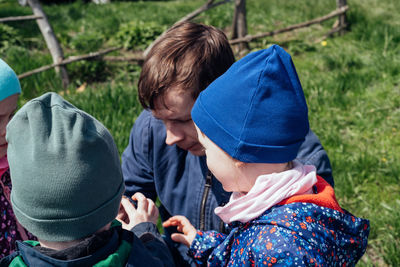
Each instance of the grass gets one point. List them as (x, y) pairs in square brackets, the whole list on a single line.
[(351, 82)]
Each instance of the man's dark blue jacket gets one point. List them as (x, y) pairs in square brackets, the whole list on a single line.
[(181, 180)]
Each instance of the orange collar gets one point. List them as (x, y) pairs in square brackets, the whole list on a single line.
[(324, 198)]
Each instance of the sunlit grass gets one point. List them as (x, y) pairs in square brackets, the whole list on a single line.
[(351, 82)]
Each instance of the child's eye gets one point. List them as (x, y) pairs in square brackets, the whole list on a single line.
[(11, 116)]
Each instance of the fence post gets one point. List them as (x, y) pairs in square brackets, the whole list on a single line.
[(342, 20), (239, 24), (23, 2), (51, 40)]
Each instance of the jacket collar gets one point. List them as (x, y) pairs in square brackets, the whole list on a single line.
[(35, 257)]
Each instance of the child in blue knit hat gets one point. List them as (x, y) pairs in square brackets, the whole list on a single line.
[(251, 122), (10, 229)]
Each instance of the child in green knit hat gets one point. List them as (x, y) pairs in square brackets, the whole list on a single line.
[(10, 229), (67, 190)]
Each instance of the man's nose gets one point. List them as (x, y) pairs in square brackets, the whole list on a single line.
[(174, 135)]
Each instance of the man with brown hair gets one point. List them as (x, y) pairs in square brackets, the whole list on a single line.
[(164, 158)]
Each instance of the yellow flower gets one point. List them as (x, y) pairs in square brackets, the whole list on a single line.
[(324, 43), (384, 159)]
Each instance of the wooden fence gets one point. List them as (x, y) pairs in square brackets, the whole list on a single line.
[(239, 35)]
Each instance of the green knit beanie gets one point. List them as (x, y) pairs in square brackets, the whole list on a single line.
[(65, 170)]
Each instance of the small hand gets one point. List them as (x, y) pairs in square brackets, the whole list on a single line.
[(129, 215), (184, 226)]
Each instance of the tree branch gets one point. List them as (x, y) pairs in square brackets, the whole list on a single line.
[(68, 61), (19, 18), (210, 4), (138, 58), (50, 38), (249, 38), (331, 32)]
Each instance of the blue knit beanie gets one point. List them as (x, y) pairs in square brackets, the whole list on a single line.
[(9, 83), (256, 111), (65, 170)]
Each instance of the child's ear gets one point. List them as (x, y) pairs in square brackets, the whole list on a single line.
[(239, 164)]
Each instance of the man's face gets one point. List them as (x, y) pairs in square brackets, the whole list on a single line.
[(174, 108)]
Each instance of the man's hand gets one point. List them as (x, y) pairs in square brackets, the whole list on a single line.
[(129, 215), (184, 226)]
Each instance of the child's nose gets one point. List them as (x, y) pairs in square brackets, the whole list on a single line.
[(3, 126)]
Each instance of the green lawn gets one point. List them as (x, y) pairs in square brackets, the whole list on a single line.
[(352, 83)]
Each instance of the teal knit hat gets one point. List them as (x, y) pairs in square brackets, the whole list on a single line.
[(65, 170), (9, 83)]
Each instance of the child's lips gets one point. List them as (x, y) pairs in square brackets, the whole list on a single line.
[(4, 145)]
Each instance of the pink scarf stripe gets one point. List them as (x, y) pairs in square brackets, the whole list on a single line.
[(268, 190)]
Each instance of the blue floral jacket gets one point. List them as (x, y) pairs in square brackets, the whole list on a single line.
[(309, 230)]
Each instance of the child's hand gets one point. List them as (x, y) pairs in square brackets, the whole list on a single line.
[(183, 225), (129, 215)]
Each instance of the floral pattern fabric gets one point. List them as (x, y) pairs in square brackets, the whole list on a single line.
[(8, 226), (295, 234)]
